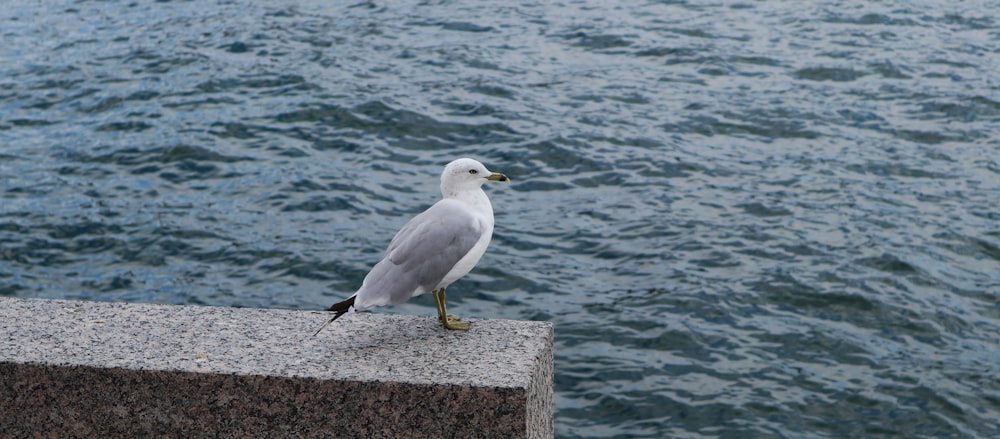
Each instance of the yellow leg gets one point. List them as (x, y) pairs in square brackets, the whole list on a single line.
[(450, 321), (442, 314)]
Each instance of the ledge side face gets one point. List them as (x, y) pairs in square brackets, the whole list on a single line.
[(83, 401), (95, 367), (540, 394)]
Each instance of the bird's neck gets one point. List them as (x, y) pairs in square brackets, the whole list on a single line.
[(475, 198)]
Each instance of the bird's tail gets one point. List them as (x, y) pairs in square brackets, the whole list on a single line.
[(339, 308)]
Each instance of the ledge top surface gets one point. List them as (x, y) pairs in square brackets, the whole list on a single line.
[(270, 342)]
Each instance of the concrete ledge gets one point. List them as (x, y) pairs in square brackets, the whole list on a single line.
[(95, 369)]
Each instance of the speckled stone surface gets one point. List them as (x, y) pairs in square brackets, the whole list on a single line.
[(95, 369)]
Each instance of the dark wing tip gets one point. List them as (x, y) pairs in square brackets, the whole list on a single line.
[(340, 308)]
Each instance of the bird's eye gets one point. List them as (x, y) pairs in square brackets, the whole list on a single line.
[(473, 171)]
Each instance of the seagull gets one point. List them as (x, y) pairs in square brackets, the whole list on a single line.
[(435, 248)]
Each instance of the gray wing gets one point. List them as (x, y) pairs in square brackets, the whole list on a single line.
[(421, 254)]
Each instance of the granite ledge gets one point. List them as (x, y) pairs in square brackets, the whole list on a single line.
[(72, 368)]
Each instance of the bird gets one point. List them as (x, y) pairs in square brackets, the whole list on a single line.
[(435, 248)]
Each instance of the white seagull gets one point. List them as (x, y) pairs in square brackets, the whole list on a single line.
[(435, 248)]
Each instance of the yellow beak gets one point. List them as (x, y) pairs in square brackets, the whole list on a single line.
[(496, 176)]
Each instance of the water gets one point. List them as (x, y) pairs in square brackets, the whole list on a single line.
[(746, 219)]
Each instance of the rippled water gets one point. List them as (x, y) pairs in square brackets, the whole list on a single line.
[(747, 219)]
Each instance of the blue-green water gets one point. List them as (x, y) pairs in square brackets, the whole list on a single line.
[(746, 219)]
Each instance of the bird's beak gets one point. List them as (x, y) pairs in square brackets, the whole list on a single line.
[(496, 176)]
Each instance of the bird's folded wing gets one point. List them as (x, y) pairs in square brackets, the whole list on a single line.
[(421, 254)]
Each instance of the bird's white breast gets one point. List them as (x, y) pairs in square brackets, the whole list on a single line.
[(480, 205)]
